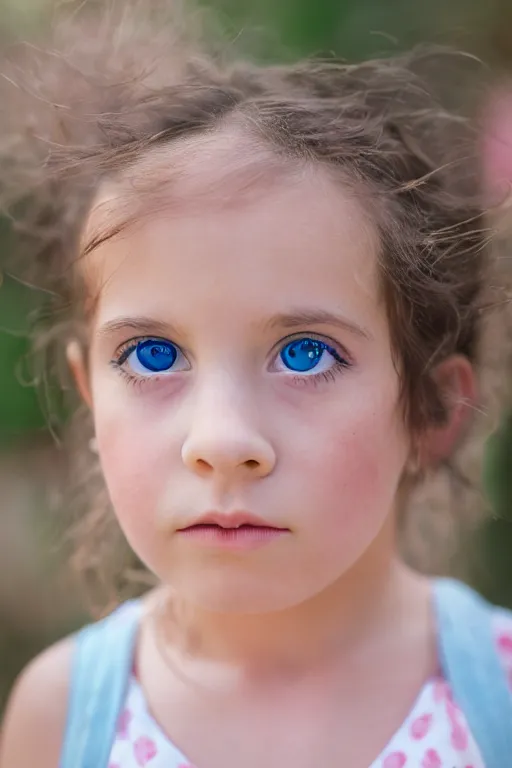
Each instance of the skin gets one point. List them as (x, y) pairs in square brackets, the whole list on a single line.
[(324, 619)]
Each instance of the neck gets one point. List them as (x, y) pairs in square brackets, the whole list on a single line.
[(364, 603)]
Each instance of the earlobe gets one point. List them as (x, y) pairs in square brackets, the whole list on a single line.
[(456, 381), (76, 362)]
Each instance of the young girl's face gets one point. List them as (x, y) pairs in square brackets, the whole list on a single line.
[(241, 373)]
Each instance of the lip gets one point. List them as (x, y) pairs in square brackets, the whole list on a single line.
[(232, 520), (232, 531)]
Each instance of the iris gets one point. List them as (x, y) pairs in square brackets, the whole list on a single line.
[(156, 356), (303, 354)]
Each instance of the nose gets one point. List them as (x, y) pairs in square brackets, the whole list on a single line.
[(223, 443)]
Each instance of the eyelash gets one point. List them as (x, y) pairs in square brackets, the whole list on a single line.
[(341, 363), (318, 378), (122, 354), (134, 381)]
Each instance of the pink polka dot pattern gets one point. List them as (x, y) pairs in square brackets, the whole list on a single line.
[(144, 750), (505, 643), (395, 760), (421, 726), (431, 759), (123, 723)]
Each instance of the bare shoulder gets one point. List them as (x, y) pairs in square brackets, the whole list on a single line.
[(34, 723)]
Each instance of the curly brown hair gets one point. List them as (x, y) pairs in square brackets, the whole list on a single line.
[(104, 93)]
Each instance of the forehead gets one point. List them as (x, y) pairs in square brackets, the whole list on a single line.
[(194, 174), (229, 224)]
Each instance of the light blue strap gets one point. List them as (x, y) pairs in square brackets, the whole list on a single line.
[(473, 669), (102, 661)]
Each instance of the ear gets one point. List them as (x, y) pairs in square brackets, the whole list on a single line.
[(77, 364), (456, 380)]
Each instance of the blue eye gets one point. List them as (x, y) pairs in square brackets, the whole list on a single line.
[(156, 356), (305, 355), (153, 356)]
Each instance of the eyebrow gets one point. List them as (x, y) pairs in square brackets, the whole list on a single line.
[(288, 321), (142, 325), (303, 317)]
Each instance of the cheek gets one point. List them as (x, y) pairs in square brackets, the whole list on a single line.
[(356, 461), (136, 463)]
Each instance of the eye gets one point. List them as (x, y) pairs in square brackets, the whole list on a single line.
[(308, 355), (153, 356)]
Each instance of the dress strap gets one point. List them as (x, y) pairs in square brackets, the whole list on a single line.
[(100, 673), (472, 667)]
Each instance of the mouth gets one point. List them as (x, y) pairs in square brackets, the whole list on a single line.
[(232, 521), (238, 530)]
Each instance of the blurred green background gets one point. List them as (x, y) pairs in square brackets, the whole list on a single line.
[(37, 603)]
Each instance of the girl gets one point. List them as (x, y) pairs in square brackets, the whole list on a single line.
[(275, 285)]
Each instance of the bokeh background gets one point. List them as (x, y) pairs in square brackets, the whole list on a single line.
[(39, 601)]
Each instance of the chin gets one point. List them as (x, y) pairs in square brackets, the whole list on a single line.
[(219, 593)]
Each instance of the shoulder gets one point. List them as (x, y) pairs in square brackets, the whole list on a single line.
[(35, 720)]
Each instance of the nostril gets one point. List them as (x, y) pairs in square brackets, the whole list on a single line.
[(203, 465), (252, 464)]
